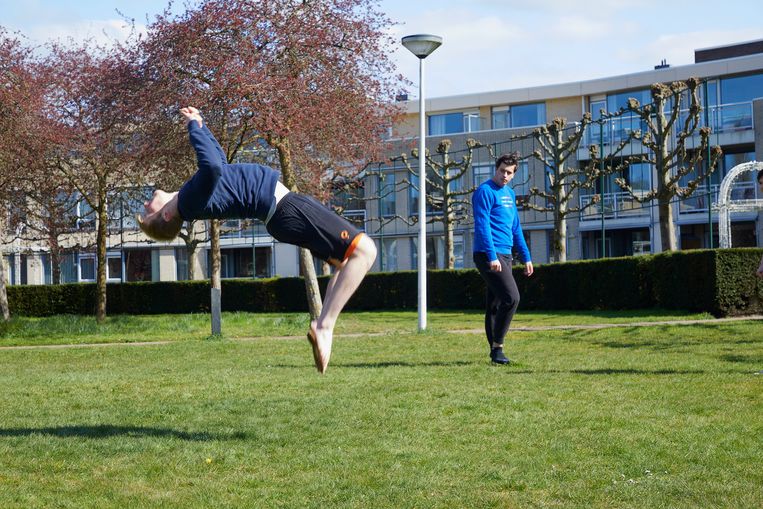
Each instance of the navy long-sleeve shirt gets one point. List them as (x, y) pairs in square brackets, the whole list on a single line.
[(219, 190), (496, 222)]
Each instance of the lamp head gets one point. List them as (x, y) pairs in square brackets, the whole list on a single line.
[(422, 45)]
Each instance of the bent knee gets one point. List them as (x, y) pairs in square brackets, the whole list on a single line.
[(366, 249)]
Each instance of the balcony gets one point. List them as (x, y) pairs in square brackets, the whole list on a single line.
[(614, 206), (725, 118), (698, 201)]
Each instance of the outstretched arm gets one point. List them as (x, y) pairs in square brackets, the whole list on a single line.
[(208, 153), (192, 114)]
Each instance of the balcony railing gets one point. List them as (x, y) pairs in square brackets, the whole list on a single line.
[(615, 206), (698, 201), (239, 229), (725, 118)]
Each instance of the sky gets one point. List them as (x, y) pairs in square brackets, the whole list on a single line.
[(488, 45)]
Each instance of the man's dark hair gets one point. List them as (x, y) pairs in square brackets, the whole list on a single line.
[(760, 175), (509, 159)]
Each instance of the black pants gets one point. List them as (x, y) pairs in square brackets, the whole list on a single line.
[(502, 297)]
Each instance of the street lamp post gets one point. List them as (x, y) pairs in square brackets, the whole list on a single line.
[(422, 45)]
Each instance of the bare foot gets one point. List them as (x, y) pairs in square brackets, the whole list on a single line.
[(320, 341)]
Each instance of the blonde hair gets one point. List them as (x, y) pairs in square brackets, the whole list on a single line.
[(157, 228)]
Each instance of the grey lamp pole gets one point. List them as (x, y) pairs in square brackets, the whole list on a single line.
[(422, 45)]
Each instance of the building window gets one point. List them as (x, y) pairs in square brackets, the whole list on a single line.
[(431, 252), (69, 268), (9, 266), (483, 173), (525, 115), (182, 271), (520, 115), (451, 123), (87, 268), (639, 177), (413, 197), (138, 265), (388, 258), (47, 269), (114, 268), (521, 184), (239, 262), (458, 251), (124, 204), (387, 194), (741, 88)]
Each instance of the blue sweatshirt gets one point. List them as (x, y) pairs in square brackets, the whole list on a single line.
[(219, 190), (496, 222)]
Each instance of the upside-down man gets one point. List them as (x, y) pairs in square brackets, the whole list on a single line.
[(219, 190)]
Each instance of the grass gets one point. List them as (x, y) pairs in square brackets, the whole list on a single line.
[(658, 416), (69, 329)]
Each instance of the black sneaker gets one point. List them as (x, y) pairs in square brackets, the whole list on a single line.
[(497, 356)]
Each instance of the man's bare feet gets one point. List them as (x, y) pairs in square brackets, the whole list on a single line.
[(320, 341)]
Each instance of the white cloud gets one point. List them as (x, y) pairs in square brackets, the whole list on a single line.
[(103, 32), (581, 27), (678, 49)]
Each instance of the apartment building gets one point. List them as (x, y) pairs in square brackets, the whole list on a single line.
[(732, 92), (385, 202)]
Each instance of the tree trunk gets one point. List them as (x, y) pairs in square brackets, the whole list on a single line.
[(191, 249), (312, 290), (3, 293), (450, 256), (55, 260), (560, 224), (667, 227), (216, 290), (100, 311), (560, 237)]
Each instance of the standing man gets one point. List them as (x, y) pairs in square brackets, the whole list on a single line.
[(219, 190), (496, 231)]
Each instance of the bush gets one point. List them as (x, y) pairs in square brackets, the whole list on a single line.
[(720, 281)]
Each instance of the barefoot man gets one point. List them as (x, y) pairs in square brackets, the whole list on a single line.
[(219, 190)]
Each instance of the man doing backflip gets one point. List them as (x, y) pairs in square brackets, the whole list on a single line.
[(496, 231), (219, 190)]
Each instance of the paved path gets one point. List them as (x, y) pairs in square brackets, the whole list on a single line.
[(594, 326)]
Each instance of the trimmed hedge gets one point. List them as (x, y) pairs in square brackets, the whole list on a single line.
[(721, 282)]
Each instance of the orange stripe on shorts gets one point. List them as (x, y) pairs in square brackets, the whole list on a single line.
[(352, 246)]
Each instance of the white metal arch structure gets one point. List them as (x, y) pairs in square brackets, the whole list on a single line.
[(726, 205)]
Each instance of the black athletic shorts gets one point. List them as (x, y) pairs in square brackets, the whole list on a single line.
[(305, 222)]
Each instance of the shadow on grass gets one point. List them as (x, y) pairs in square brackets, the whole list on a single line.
[(613, 371), (750, 359), (387, 364), (106, 431), (404, 364)]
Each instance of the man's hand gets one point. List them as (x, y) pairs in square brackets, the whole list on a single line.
[(190, 114), (529, 269), (495, 266)]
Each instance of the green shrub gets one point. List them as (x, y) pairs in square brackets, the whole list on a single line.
[(719, 281)]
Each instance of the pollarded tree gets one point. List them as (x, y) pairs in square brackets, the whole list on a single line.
[(310, 79), (669, 123), (446, 194), (557, 142)]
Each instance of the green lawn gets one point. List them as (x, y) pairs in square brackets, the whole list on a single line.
[(646, 417), (129, 328)]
